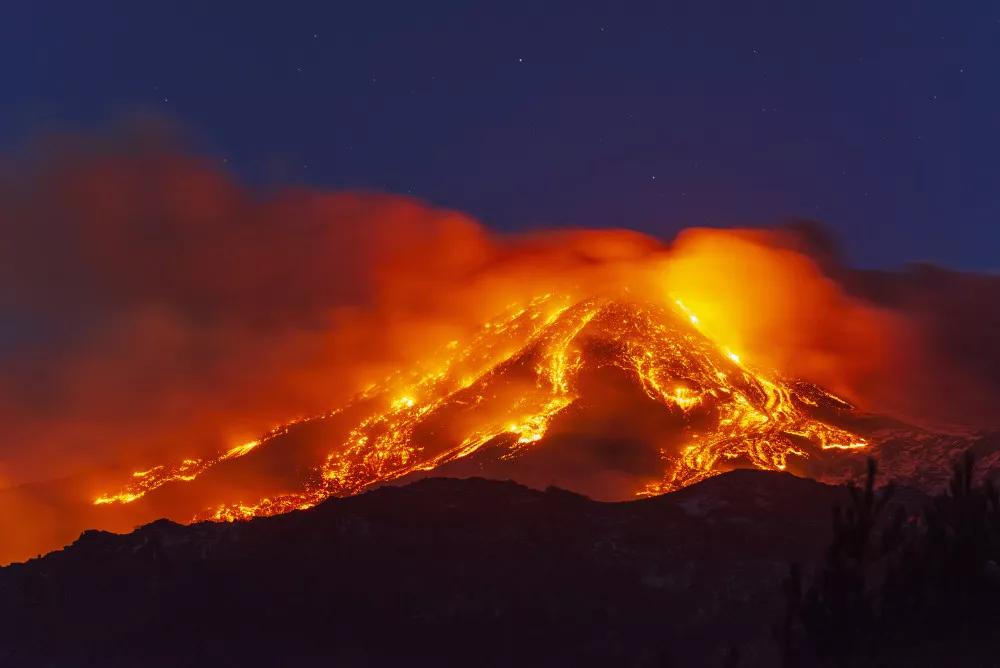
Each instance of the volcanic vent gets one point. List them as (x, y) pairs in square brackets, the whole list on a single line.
[(610, 397)]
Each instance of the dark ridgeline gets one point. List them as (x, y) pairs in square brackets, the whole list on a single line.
[(439, 572), (476, 572), (902, 589)]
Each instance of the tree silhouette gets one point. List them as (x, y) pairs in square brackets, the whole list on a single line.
[(893, 590)]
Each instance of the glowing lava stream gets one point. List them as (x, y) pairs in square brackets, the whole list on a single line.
[(750, 415)]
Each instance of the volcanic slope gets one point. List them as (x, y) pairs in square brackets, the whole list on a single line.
[(607, 397)]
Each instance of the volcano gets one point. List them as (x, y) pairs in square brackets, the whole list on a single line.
[(607, 397), (612, 398)]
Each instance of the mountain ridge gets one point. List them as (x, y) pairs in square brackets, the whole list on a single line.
[(550, 575)]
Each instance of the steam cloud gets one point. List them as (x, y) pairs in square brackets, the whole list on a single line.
[(152, 305)]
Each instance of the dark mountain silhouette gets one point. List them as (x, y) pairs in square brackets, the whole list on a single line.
[(438, 572)]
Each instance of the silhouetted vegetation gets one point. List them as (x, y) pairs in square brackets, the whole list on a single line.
[(899, 589)]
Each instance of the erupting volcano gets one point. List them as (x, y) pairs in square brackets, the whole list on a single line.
[(636, 385)]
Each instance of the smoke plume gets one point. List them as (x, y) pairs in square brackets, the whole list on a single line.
[(154, 306)]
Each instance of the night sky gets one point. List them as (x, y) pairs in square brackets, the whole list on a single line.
[(881, 119)]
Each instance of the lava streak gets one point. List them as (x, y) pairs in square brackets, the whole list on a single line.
[(510, 382), (152, 478)]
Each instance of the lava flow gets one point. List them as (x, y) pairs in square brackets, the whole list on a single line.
[(523, 372)]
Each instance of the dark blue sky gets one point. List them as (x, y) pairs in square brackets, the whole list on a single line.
[(881, 119)]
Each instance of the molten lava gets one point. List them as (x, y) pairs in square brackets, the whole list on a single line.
[(522, 371)]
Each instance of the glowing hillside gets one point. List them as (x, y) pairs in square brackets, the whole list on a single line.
[(521, 372)]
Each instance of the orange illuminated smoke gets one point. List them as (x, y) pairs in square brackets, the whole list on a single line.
[(509, 382)]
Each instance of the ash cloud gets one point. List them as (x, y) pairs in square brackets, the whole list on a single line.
[(921, 343), (951, 371), (155, 307), (157, 301)]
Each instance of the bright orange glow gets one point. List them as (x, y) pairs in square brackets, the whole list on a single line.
[(641, 362), (189, 469), (466, 397), (773, 305)]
